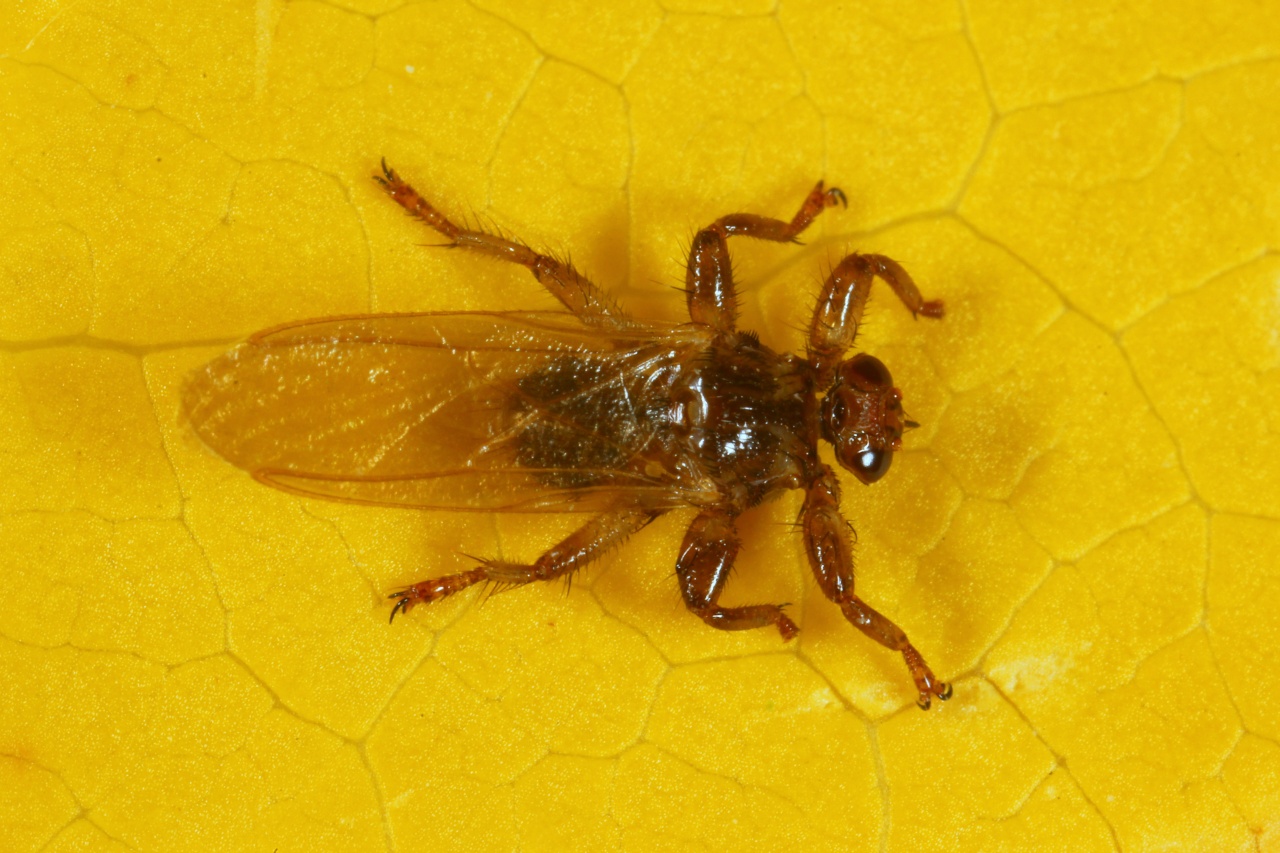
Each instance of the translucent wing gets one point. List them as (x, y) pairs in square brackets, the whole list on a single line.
[(486, 411)]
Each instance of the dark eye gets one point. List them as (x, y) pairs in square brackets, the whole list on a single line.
[(869, 373), (870, 464)]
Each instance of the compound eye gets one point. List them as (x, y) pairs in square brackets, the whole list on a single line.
[(868, 373), (870, 464)]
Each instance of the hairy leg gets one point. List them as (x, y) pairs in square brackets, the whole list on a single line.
[(573, 289), (709, 276), (585, 544), (844, 297), (705, 560), (830, 553)]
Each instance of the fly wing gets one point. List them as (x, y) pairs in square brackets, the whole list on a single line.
[(486, 411)]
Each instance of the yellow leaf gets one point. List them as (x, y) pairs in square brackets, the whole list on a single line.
[(1082, 535)]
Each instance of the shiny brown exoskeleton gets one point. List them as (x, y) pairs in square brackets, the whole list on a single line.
[(586, 411)]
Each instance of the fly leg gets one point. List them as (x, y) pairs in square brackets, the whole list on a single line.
[(706, 558), (826, 536), (843, 299), (573, 289), (585, 544), (709, 274)]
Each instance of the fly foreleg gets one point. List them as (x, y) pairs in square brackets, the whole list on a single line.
[(579, 548), (706, 557), (843, 299), (830, 551)]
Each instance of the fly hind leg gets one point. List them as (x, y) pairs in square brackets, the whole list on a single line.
[(585, 544), (706, 557), (573, 289)]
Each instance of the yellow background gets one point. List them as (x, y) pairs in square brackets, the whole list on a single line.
[(1082, 535)]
